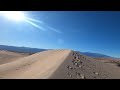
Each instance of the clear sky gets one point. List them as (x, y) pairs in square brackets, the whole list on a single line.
[(87, 31)]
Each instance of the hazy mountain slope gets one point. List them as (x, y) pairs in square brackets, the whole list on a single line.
[(35, 50), (96, 55), (20, 49)]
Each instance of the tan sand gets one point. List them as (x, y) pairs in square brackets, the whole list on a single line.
[(7, 56), (58, 64)]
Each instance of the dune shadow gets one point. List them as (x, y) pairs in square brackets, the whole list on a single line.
[(62, 69), (67, 70)]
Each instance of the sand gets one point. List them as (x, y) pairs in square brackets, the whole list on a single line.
[(58, 64), (8, 56)]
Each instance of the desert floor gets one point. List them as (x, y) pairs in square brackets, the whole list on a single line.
[(56, 64)]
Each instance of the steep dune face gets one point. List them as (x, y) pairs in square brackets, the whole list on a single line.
[(34, 66), (58, 64)]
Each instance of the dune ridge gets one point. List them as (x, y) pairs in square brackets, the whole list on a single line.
[(58, 64)]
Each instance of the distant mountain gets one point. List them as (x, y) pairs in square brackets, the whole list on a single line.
[(35, 50), (21, 49), (96, 55)]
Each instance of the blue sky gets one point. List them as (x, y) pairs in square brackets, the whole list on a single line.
[(87, 31)]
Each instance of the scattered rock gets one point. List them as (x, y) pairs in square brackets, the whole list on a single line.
[(73, 60), (71, 76), (77, 73), (76, 64), (69, 67), (79, 66), (96, 73), (78, 60), (82, 76), (74, 57), (78, 77)]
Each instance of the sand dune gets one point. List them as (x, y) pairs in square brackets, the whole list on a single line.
[(58, 64), (7, 56)]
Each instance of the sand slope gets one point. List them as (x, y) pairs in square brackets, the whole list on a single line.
[(7, 56), (58, 64)]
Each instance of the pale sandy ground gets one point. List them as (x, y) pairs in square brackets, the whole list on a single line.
[(58, 64), (7, 56)]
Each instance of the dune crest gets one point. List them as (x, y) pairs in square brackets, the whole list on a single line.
[(58, 64)]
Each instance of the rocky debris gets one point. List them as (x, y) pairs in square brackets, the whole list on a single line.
[(76, 64), (75, 57), (70, 75), (77, 73), (76, 61), (69, 67), (80, 76), (81, 62), (79, 66), (73, 60), (96, 73)]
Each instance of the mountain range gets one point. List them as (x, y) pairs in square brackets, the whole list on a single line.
[(35, 50)]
